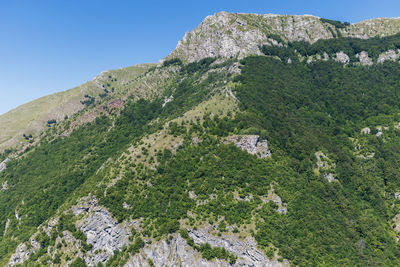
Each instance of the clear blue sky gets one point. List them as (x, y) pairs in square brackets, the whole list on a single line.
[(48, 46)]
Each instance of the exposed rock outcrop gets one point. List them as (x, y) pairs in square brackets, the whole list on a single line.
[(252, 144), (102, 231), (246, 250), (16, 215), (167, 100), (366, 130), (3, 165), (217, 36), (23, 252), (325, 166), (176, 252), (342, 57), (239, 35), (272, 196), (364, 58), (371, 28), (6, 227), (390, 55), (4, 186)]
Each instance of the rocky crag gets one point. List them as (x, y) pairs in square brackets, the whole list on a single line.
[(228, 35)]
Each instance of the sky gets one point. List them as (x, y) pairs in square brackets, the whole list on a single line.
[(47, 46)]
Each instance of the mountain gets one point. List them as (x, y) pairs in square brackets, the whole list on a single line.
[(240, 35), (261, 140), (31, 118)]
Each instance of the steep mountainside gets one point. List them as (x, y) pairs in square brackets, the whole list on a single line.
[(239, 35), (262, 140), (32, 118)]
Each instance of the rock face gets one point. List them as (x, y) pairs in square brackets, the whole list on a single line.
[(6, 227), (390, 55), (247, 252), (325, 166), (22, 252), (272, 196), (366, 130), (176, 252), (239, 35), (3, 165), (364, 58), (4, 186), (217, 36), (342, 57), (252, 144), (102, 232)]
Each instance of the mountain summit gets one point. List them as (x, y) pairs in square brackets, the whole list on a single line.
[(239, 35)]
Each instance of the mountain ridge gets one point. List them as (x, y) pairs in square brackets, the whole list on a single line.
[(210, 43), (259, 159), (240, 34)]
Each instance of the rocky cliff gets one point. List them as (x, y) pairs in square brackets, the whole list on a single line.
[(227, 34), (176, 252)]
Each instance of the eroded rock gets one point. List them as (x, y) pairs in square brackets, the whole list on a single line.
[(272, 196), (23, 252), (167, 100), (390, 55), (364, 58), (103, 232), (3, 165), (6, 227), (176, 252), (252, 144), (342, 57), (325, 166), (366, 130), (246, 250), (4, 186)]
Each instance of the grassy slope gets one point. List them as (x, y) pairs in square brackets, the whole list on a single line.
[(31, 118)]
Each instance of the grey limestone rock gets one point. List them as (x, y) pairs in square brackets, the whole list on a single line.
[(390, 55), (246, 250), (326, 166), (366, 130), (342, 57), (364, 58), (4, 186), (23, 252), (239, 35), (103, 232), (272, 196), (252, 144), (3, 165), (176, 252)]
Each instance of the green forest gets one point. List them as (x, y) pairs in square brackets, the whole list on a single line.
[(351, 46)]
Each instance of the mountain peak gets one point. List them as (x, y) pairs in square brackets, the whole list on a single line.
[(226, 34)]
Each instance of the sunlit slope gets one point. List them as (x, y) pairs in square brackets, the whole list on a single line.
[(32, 117)]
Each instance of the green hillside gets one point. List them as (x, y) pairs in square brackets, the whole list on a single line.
[(31, 118), (263, 160)]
